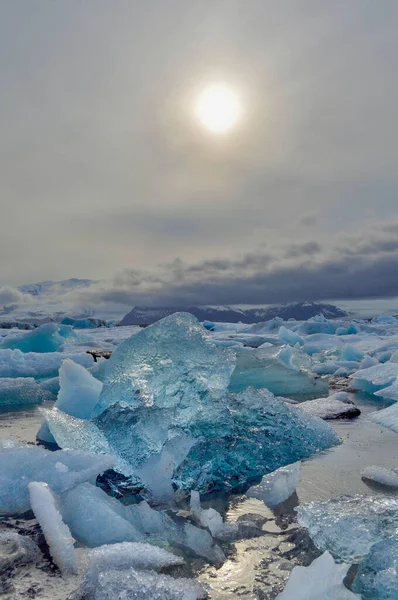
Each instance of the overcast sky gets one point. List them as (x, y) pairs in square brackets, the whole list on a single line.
[(105, 172)]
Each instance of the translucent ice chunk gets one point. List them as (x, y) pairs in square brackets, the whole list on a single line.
[(377, 576), (278, 486), (348, 526), (209, 517), (322, 580), (129, 555), (20, 466), (164, 365), (142, 585), (16, 550), (57, 534), (46, 338)]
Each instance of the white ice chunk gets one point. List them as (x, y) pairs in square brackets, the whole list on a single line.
[(388, 477), (129, 555), (290, 337), (95, 518), (16, 550), (322, 580), (375, 378), (201, 542), (209, 517), (390, 392), (278, 486), (57, 534), (336, 406)]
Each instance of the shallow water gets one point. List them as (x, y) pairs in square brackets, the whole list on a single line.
[(259, 567)]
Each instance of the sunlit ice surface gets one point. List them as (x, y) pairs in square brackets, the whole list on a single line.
[(218, 108)]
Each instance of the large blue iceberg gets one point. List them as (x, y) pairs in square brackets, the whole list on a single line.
[(165, 413), (47, 338)]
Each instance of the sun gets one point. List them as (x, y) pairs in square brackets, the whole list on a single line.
[(218, 108)]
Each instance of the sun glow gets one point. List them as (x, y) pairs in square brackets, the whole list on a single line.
[(218, 108)]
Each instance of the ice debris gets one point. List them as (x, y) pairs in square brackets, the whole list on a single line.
[(14, 363), (375, 378), (57, 534), (212, 520), (387, 477), (336, 406), (79, 390), (278, 486), (46, 338), (61, 470), (377, 576), (322, 580), (349, 526)]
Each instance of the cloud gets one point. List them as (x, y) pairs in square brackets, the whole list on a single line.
[(362, 265), (11, 295)]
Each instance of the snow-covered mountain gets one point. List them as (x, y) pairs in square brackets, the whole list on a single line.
[(142, 315), (48, 287)]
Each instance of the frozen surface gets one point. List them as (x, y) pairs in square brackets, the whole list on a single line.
[(57, 534), (163, 364), (47, 338), (278, 486), (322, 580), (387, 477), (61, 470), (377, 577), (349, 526), (336, 406), (21, 391), (131, 555), (79, 390), (140, 585)]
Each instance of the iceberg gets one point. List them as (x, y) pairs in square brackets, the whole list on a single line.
[(284, 372), (336, 406), (278, 486), (387, 477), (390, 392), (142, 585), (377, 576), (322, 580), (349, 526), (61, 470), (166, 415), (57, 534), (46, 338), (21, 391)]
